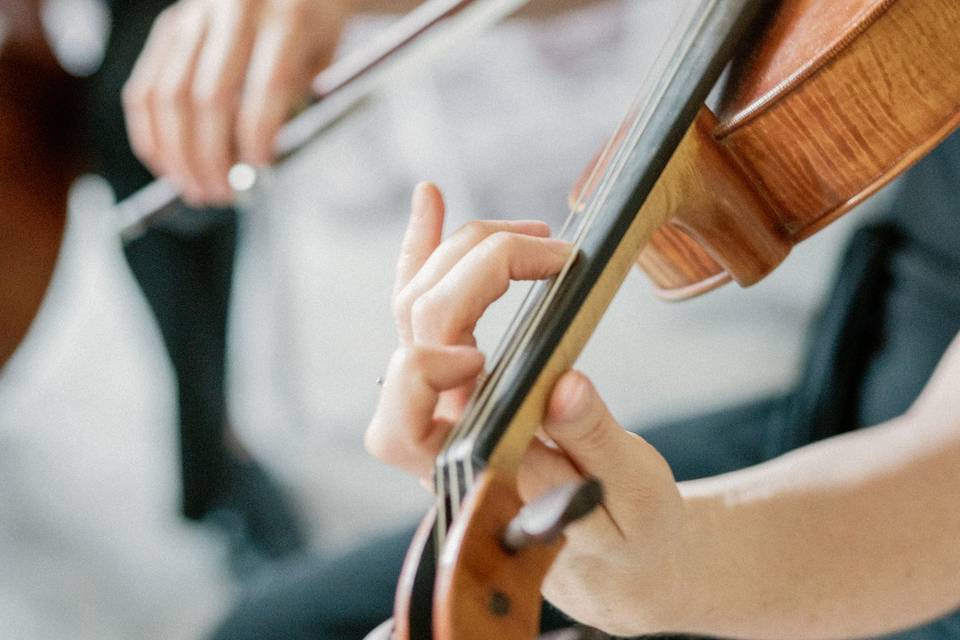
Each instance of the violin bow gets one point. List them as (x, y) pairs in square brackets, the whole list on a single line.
[(338, 91)]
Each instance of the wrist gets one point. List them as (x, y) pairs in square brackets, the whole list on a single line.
[(697, 579)]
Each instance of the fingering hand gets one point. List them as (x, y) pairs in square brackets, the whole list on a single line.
[(440, 291), (621, 567)]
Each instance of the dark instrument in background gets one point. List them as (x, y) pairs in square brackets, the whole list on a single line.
[(39, 160), (827, 103), (40, 153)]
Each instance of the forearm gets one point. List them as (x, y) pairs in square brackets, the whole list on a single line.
[(849, 537)]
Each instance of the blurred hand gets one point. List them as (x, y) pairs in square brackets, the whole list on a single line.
[(216, 80), (620, 568)]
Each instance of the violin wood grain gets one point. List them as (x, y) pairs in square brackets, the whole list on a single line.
[(837, 100), (881, 99), (719, 227), (483, 591)]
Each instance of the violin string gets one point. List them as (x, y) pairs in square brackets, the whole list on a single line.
[(610, 177), (622, 152), (467, 430), (483, 405), (512, 334), (451, 463)]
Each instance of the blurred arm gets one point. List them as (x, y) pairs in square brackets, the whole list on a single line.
[(533, 8)]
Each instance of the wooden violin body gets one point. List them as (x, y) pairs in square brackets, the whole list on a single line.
[(836, 100), (831, 101)]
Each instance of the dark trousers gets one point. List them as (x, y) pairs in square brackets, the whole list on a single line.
[(872, 351), (185, 276), (187, 282), (185, 268)]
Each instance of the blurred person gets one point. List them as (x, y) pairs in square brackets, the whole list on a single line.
[(838, 393), (170, 57), (212, 82), (185, 271)]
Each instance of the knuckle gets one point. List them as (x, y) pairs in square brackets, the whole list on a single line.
[(133, 95), (410, 359), (172, 94), (475, 231), (212, 97), (499, 243), (143, 148), (403, 305), (169, 21), (495, 255), (594, 436), (150, 98), (426, 316), (417, 362), (166, 18), (421, 448), (373, 443)]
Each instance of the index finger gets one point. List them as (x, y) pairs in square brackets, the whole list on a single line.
[(455, 304)]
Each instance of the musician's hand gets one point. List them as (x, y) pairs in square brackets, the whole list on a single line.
[(622, 555), (440, 292), (217, 79)]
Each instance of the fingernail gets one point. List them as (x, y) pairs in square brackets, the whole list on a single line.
[(577, 398), (418, 201)]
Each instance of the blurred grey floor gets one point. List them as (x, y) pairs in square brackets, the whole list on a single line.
[(89, 543)]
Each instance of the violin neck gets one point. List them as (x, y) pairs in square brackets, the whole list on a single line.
[(609, 233)]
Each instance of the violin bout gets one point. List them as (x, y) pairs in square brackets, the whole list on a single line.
[(802, 134)]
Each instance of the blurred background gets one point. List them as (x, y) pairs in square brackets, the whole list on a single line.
[(92, 544)]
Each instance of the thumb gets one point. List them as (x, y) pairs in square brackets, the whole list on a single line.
[(579, 422)]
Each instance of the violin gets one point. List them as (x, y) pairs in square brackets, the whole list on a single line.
[(338, 91), (824, 103)]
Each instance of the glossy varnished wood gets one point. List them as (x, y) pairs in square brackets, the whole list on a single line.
[(483, 591), (838, 99), (820, 115), (412, 607), (38, 161), (716, 218)]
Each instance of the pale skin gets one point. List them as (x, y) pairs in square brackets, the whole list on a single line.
[(218, 78), (854, 536)]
